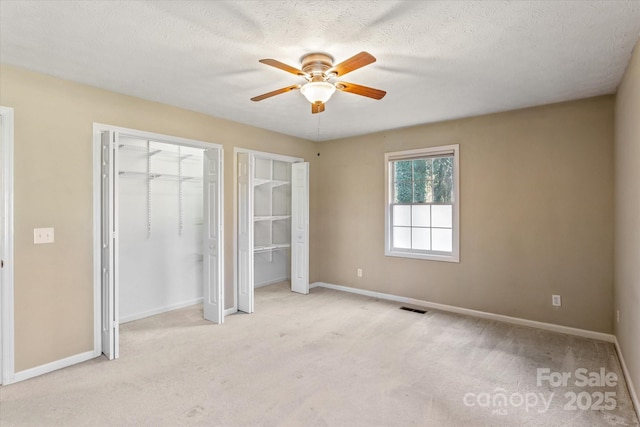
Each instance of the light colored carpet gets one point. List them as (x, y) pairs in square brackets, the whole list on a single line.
[(324, 359)]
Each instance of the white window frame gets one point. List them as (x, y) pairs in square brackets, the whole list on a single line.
[(389, 158)]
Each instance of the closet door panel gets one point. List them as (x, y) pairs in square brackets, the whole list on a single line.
[(245, 233), (300, 227), (212, 274), (110, 312)]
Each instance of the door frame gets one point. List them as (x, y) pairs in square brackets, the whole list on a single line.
[(263, 154), (98, 128), (7, 355)]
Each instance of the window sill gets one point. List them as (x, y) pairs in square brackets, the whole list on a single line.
[(429, 257)]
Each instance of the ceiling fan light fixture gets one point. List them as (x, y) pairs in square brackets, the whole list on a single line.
[(317, 69), (318, 92)]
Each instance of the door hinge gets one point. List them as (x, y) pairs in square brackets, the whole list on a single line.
[(1, 263)]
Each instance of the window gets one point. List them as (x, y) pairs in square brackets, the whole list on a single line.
[(422, 204)]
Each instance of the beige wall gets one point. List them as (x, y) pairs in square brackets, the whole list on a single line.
[(536, 214), (536, 208), (627, 219), (53, 187)]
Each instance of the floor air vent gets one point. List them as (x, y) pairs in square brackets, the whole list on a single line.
[(415, 310)]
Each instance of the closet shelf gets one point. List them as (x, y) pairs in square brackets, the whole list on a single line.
[(273, 182), (271, 217), (158, 152), (160, 176), (275, 247)]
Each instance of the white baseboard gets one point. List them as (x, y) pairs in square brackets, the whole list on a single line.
[(270, 282), (164, 309), (474, 313), (53, 366), (627, 376)]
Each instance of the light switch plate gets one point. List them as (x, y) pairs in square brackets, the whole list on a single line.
[(42, 235)]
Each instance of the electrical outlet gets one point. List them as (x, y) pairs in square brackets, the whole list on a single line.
[(556, 300), (617, 316), (359, 272), (43, 235)]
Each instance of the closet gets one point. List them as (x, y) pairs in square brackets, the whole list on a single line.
[(160, 219), (272, 223), (160, 210)]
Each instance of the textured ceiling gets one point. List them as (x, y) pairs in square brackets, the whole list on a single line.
[(437, 60)]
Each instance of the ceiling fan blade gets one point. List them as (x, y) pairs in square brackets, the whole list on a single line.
[(284, 67), (361, 90), (317, 108), (275, 92), (351, 64)]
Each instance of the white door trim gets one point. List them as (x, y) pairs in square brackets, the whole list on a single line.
[(263, 154), (97, 206), (7, 367)]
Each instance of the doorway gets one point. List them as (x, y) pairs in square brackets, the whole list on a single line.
[(271, 228), (6, 246), (158, 233)]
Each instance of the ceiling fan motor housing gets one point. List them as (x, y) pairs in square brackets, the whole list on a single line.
[(316, 65)]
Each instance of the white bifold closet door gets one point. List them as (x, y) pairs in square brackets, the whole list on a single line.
[(109, 245), (213, 290), (245, 233), (300, 227)]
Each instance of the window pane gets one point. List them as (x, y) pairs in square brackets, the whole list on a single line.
[(421, 216), (443, 179), (419, 192), (441, 216), (420, 239), (442, 239), (402, 237), (402, 177), (402, 215), (420, 177), (428, 194), (402, 192)]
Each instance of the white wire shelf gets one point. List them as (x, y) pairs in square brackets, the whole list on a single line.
[(270, 248), (273, 182), (159, 152), (271, 218), (160, 176)]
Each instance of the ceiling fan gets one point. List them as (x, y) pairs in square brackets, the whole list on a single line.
[(320, 73)]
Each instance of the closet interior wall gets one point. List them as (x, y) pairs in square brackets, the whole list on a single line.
[(272, 221), (160, 208)]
